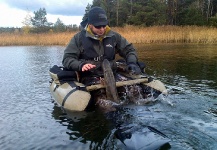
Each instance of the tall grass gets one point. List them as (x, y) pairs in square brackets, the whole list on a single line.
[(169, 34), (35, 39), (156, 34)]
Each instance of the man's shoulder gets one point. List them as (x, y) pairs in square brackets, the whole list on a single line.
[(113, 33), (78, 35)]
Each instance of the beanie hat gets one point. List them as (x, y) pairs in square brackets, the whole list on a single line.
[(97, 16)]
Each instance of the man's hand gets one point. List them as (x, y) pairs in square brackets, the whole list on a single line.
[(133, 68), (87, 67)]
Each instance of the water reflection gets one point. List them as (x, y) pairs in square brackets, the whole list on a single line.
[(196, 63), (113, 130), (87, 128)]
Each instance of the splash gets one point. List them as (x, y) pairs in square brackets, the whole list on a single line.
[(106, 105), (133, 94), (138, 95)]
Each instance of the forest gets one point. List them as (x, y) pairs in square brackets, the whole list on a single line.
[(142, 13), (159, 12)]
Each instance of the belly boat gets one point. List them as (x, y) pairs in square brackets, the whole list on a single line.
[(75, 96)]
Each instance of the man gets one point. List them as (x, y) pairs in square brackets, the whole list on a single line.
[(96, 42)]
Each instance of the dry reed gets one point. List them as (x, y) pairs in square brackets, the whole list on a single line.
[(35, 39), (169, 34), (155, 34)]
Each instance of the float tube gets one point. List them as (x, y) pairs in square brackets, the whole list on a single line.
[(67, 92), (75, 96)]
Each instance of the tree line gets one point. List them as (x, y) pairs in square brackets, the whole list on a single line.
[(159, 12), (39, 24), (132, 12)]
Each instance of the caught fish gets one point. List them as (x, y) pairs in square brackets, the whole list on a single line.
[(110, 84)]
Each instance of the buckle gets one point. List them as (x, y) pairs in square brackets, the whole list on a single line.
[(99, 58)]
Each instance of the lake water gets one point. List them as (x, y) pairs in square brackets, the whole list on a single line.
[(30, 119)]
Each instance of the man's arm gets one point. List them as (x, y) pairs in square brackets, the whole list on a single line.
[(71, 55)]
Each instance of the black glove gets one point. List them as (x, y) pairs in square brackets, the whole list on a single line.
[(133, 68)]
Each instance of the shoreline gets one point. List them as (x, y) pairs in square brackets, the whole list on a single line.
[(134, 34)]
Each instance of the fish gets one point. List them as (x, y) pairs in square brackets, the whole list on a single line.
[(109, 81)]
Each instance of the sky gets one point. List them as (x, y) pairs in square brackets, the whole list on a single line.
[(13, 12)]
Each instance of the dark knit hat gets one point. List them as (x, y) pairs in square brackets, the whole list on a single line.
[(97, 16)]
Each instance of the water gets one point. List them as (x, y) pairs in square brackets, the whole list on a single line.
[(30, 119)]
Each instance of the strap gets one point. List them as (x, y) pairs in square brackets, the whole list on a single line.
[(74, 88), (67, 95)]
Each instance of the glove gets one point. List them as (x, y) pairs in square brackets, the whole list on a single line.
[(133, 68)]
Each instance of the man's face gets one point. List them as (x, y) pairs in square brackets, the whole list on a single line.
[(98, 30)]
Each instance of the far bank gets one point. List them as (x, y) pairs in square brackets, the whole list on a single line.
[(134, 34)]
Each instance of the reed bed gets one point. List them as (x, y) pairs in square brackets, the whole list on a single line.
[(139, 35), (169, 34), (36, 39)]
